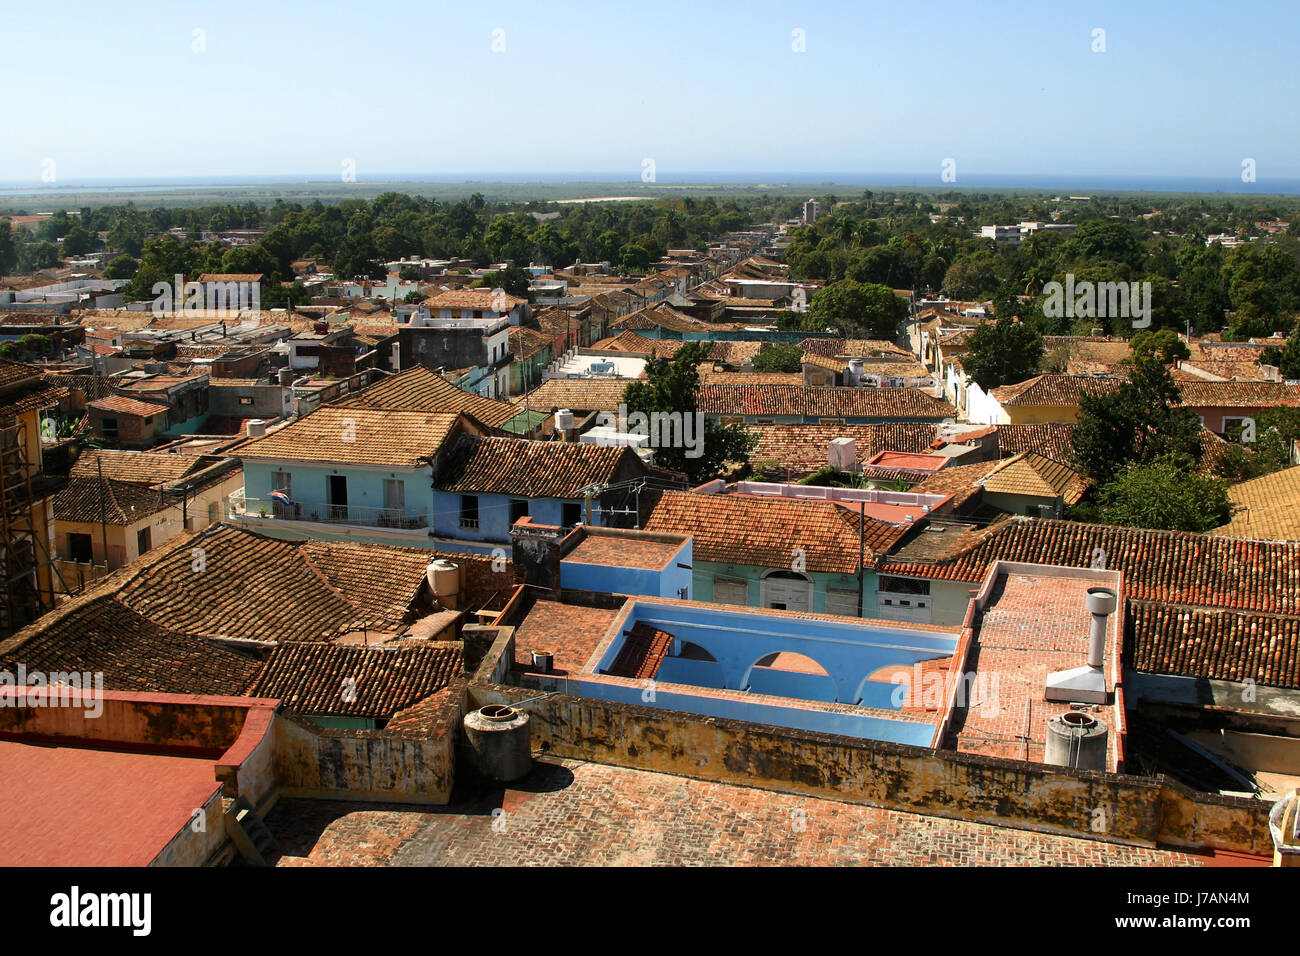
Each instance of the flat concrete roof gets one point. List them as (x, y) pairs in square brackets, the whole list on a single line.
[(76, 806)]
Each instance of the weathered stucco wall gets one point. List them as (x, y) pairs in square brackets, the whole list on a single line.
[(376, 765), (1111, 807)]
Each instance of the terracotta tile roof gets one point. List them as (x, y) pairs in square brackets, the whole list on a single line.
[(632, 342), (1052, 440), (1238, 394), (535, 469), (1034, 475), (525, 342), (764, 532), (804, 449), (13, 374), (132, 652), (960, 481), (357, 435), (710, 377), (821, 401), (575, 394), (419, 389), (852, 348), (644, 649), (19, 400), (136, 467), (250, 587), (122, 503), (660, 316), (824, 361), (1214, 644), (734, 353), (1228, 371), (1054, 390), (1266, 508), (380, 581), (1174, 567), (338, 681), (231, 277), (481, 299), (160, 383), (92, 386), (121, 405)]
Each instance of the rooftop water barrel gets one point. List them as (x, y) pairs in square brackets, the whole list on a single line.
[(1076, 740), (501, 741)]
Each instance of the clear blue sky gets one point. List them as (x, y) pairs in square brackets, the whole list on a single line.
[(1185, 87)]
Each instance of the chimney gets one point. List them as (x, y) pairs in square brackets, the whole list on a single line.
[(1087, 684)]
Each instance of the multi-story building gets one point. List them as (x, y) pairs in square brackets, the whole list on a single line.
[(26, 495)]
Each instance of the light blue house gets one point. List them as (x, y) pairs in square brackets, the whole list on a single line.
[(488, 484), (348, 473)]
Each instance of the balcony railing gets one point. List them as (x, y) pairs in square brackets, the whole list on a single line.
[(325, 513)]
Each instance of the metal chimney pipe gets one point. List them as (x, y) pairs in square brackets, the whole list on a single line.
[(1101, 603)]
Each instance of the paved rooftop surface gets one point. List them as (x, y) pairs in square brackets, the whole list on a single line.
[(570, 813), (624, 552), (569, 631), (1034, 624), (73, 806)]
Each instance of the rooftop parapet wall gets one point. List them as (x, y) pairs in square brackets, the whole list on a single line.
[(382, 766), (1109, 807), (170, 721)]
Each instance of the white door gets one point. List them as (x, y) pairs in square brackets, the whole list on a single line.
[(788, 594)]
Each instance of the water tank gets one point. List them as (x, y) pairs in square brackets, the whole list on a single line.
[(286, 377), (501, 741), (1077, 740), (563, 420), (444, 580), (256, 428)]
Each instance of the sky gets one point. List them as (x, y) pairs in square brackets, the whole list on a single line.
[(174, 89)]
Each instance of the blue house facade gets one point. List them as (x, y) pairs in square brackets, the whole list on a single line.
[(488, 484)]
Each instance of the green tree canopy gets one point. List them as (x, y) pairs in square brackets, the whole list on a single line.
[(1164, 496), (670, 387), (857, 307), (1137, 423), (1002, 353), (774, 357)]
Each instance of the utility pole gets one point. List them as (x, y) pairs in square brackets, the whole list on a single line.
[(862, 547), (103, 518)]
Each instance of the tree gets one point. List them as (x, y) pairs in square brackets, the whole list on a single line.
[(8, 251), (1140, 422), (670, 387), (778, 358), (122, 267), (1287, 358), (850, 306), (1164, 344), (512, 280), (77, 241), (971, 278), (1164, 496), (1002, 353)]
